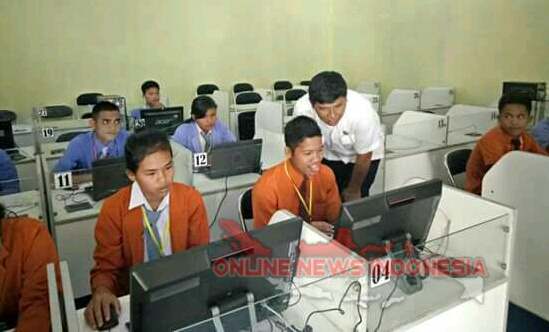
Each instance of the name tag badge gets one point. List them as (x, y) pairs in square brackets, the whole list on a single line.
[(347, 139), (201, 162)]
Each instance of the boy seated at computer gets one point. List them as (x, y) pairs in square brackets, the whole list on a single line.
[(204, 131), (26, 248), (106, 140), (510, 134), (301, 184), (9, 179), (151, 218), (151, 95)]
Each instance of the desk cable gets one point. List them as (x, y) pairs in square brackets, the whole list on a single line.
[(386, 304), (221, 203), (71, 196), (338, 308)]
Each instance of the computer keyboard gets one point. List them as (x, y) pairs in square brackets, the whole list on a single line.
[(78, 207)]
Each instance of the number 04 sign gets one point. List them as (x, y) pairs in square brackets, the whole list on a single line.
[(380, 272)]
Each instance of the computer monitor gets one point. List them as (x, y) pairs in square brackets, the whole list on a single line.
[(235, 158), (6, 136), (184, 289), (396, 216), (109, 175), (167, 119)]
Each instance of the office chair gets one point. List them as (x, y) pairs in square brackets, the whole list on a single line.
[(87, 115), (87, 98), (242, 87), (246, 118), (455, 162), (290, 97), (206, 89), (58, 111), (280, 87), (66, 137), (245, 208), (7, 115), (305, 83)]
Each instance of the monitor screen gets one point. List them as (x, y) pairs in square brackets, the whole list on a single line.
[(180, 290), (235, 158), (165, 119), (366, 223), (109, 175), (6, 136)]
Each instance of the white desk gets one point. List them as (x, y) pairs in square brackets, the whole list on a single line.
[(24, 203)]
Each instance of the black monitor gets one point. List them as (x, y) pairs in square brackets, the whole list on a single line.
[(109, 175), (235, 158), (184, 289), (167, 119), (6, 136), (396, 216)]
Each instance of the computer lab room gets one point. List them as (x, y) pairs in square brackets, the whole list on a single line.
[(290, 165)]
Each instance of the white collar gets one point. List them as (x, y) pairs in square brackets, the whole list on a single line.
[(137, 199), (200, 130)]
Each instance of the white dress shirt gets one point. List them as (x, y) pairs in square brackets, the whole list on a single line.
[(137, 199), (357, 132)]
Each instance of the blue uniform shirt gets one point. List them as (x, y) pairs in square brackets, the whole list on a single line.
[(540, 132), (85, 148), (9, 180)]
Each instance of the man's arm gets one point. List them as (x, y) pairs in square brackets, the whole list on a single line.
[(360, 170), (199, 230), (69, 160), (264, 203)]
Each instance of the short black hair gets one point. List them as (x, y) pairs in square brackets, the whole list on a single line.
[(201, 105), (148, 85), (515, 98), (144, 143), (298, 129), (103, 106), (326, 87), (2, 212)]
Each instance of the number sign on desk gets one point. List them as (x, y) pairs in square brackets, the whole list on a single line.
[(43, 112), (200, 160), (379, 271), (47, 132), (62, 180)]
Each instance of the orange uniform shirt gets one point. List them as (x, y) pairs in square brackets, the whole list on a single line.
[(275, 191), (489, 149), (119, 234), (26, 249)]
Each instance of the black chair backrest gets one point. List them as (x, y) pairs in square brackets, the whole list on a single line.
[(282, 85), (66, 137), (305, 83), (246, 125), (246, 205), (206, 89), (7, 115), (457, 161), (241, 87), (87, 115), (88, 98), (248, 98), (58, 111), (294, 94)]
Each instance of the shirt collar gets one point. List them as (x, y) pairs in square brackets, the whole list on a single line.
[(137, 199), (200, 131), (296, 175)]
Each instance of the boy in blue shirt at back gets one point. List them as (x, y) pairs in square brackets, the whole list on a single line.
[(107, 140)]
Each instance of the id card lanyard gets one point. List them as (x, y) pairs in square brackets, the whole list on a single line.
[(308, 208)]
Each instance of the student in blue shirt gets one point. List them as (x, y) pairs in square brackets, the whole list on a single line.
[(204, 130), (540, 133), (9, 179), (106, 140), (151, 95)]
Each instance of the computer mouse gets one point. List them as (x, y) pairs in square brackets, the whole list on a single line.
[(112, 322)]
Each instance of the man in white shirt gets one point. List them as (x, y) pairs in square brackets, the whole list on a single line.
[(353, 138)]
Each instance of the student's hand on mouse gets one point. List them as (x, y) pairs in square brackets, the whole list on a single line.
[(98, 311), (350, 194), (324, 227)]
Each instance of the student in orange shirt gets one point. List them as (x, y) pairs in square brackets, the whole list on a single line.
[(510, 134), (151, 218), (26, 248), (301, 184)]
